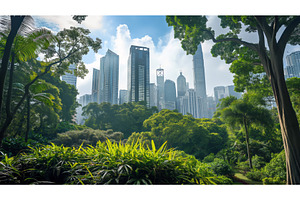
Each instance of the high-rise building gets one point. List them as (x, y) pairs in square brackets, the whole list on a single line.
[(160, 82), (96, 85), (83, 100), (181, 85), (70, 78), (138, 74), (153, 95), (170, 95), (109, 78), (193, 107), (229, 91), (219, 93), (123, 97), (199, 82), (293, 65), (211, 106)]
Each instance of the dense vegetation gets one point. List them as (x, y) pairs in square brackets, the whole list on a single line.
[(128, 143)]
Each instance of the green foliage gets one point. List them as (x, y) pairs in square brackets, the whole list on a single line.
[(274, 180), (197, 137), (126, 118), (276, 167), (255, 174), (106, 163), (221, 167), (293, 85), (86, 137)]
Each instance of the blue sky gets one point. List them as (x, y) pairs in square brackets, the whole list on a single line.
[(120, 31)]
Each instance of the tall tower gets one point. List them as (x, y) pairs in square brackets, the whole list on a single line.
[(160, 82), (109, 78), (170, 95), (199, 81), (95, 85), (138, 74), (69, 77), (181, 85)]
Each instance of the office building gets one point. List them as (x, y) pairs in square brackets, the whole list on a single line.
[(293, 65), (109, 78), (96, 85), (229, 91), (123, 97), (153, 95), (160, 82), (219, 93), (138, 75), (181, 85), (70, 78), (170, 95), (199, 82)]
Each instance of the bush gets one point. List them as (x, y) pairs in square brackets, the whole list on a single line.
[(274, 180), (221, 167), (89, 136), (276, 168), (106, 163), (210, 158), (255, 175)]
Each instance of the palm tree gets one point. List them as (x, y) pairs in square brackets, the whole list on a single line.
[(243, 114)]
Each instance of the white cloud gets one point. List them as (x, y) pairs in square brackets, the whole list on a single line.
[(84, 86), (91, 22), (171, 57)]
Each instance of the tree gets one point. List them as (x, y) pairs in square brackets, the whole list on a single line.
[(67, 48), (274, 33), (241, 113)]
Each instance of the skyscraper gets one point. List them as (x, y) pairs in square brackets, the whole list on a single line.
[(153, 95), (123, 97), (170, 95), (229, 91), (181, 85), (109, 78), (219, 93), (95, 85), (293, 65), (138, 74), (160, 82), (199, 81), (69, 77)]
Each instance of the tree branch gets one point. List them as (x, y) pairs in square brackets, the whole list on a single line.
[(288, 32), (261, 21), (237, 40)]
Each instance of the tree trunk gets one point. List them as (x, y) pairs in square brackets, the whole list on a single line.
[(16, 22), (28, 118), (247, 143), (287, 118)]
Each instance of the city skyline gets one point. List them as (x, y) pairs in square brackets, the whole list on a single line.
[(119, 32)]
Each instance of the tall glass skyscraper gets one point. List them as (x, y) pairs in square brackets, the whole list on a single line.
[(109, 78), (138, 74), (70, 78), (199, 81), (95, 85), (170, 95), (293, 65), (160, 82)]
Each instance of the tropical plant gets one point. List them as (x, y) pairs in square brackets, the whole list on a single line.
[(106, 163), (273, 33)]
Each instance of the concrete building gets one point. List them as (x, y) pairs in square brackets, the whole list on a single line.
[(170, 95), (138, 74), (70, 78), (160, 82)]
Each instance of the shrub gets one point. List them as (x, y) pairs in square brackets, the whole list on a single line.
[(106, 163), (276, 168), (75, 138), (210, 158), (221, 167), (255, 175), (274, 180)]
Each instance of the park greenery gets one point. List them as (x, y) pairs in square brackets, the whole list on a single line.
[(131, 143)]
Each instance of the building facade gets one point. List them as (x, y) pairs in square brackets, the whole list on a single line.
[(181, 85), (199, 82), (109, 78), (70, 78), (170, 95), (160, 82), (96, 85), (153, 95), (123, 97), (138, 75)]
